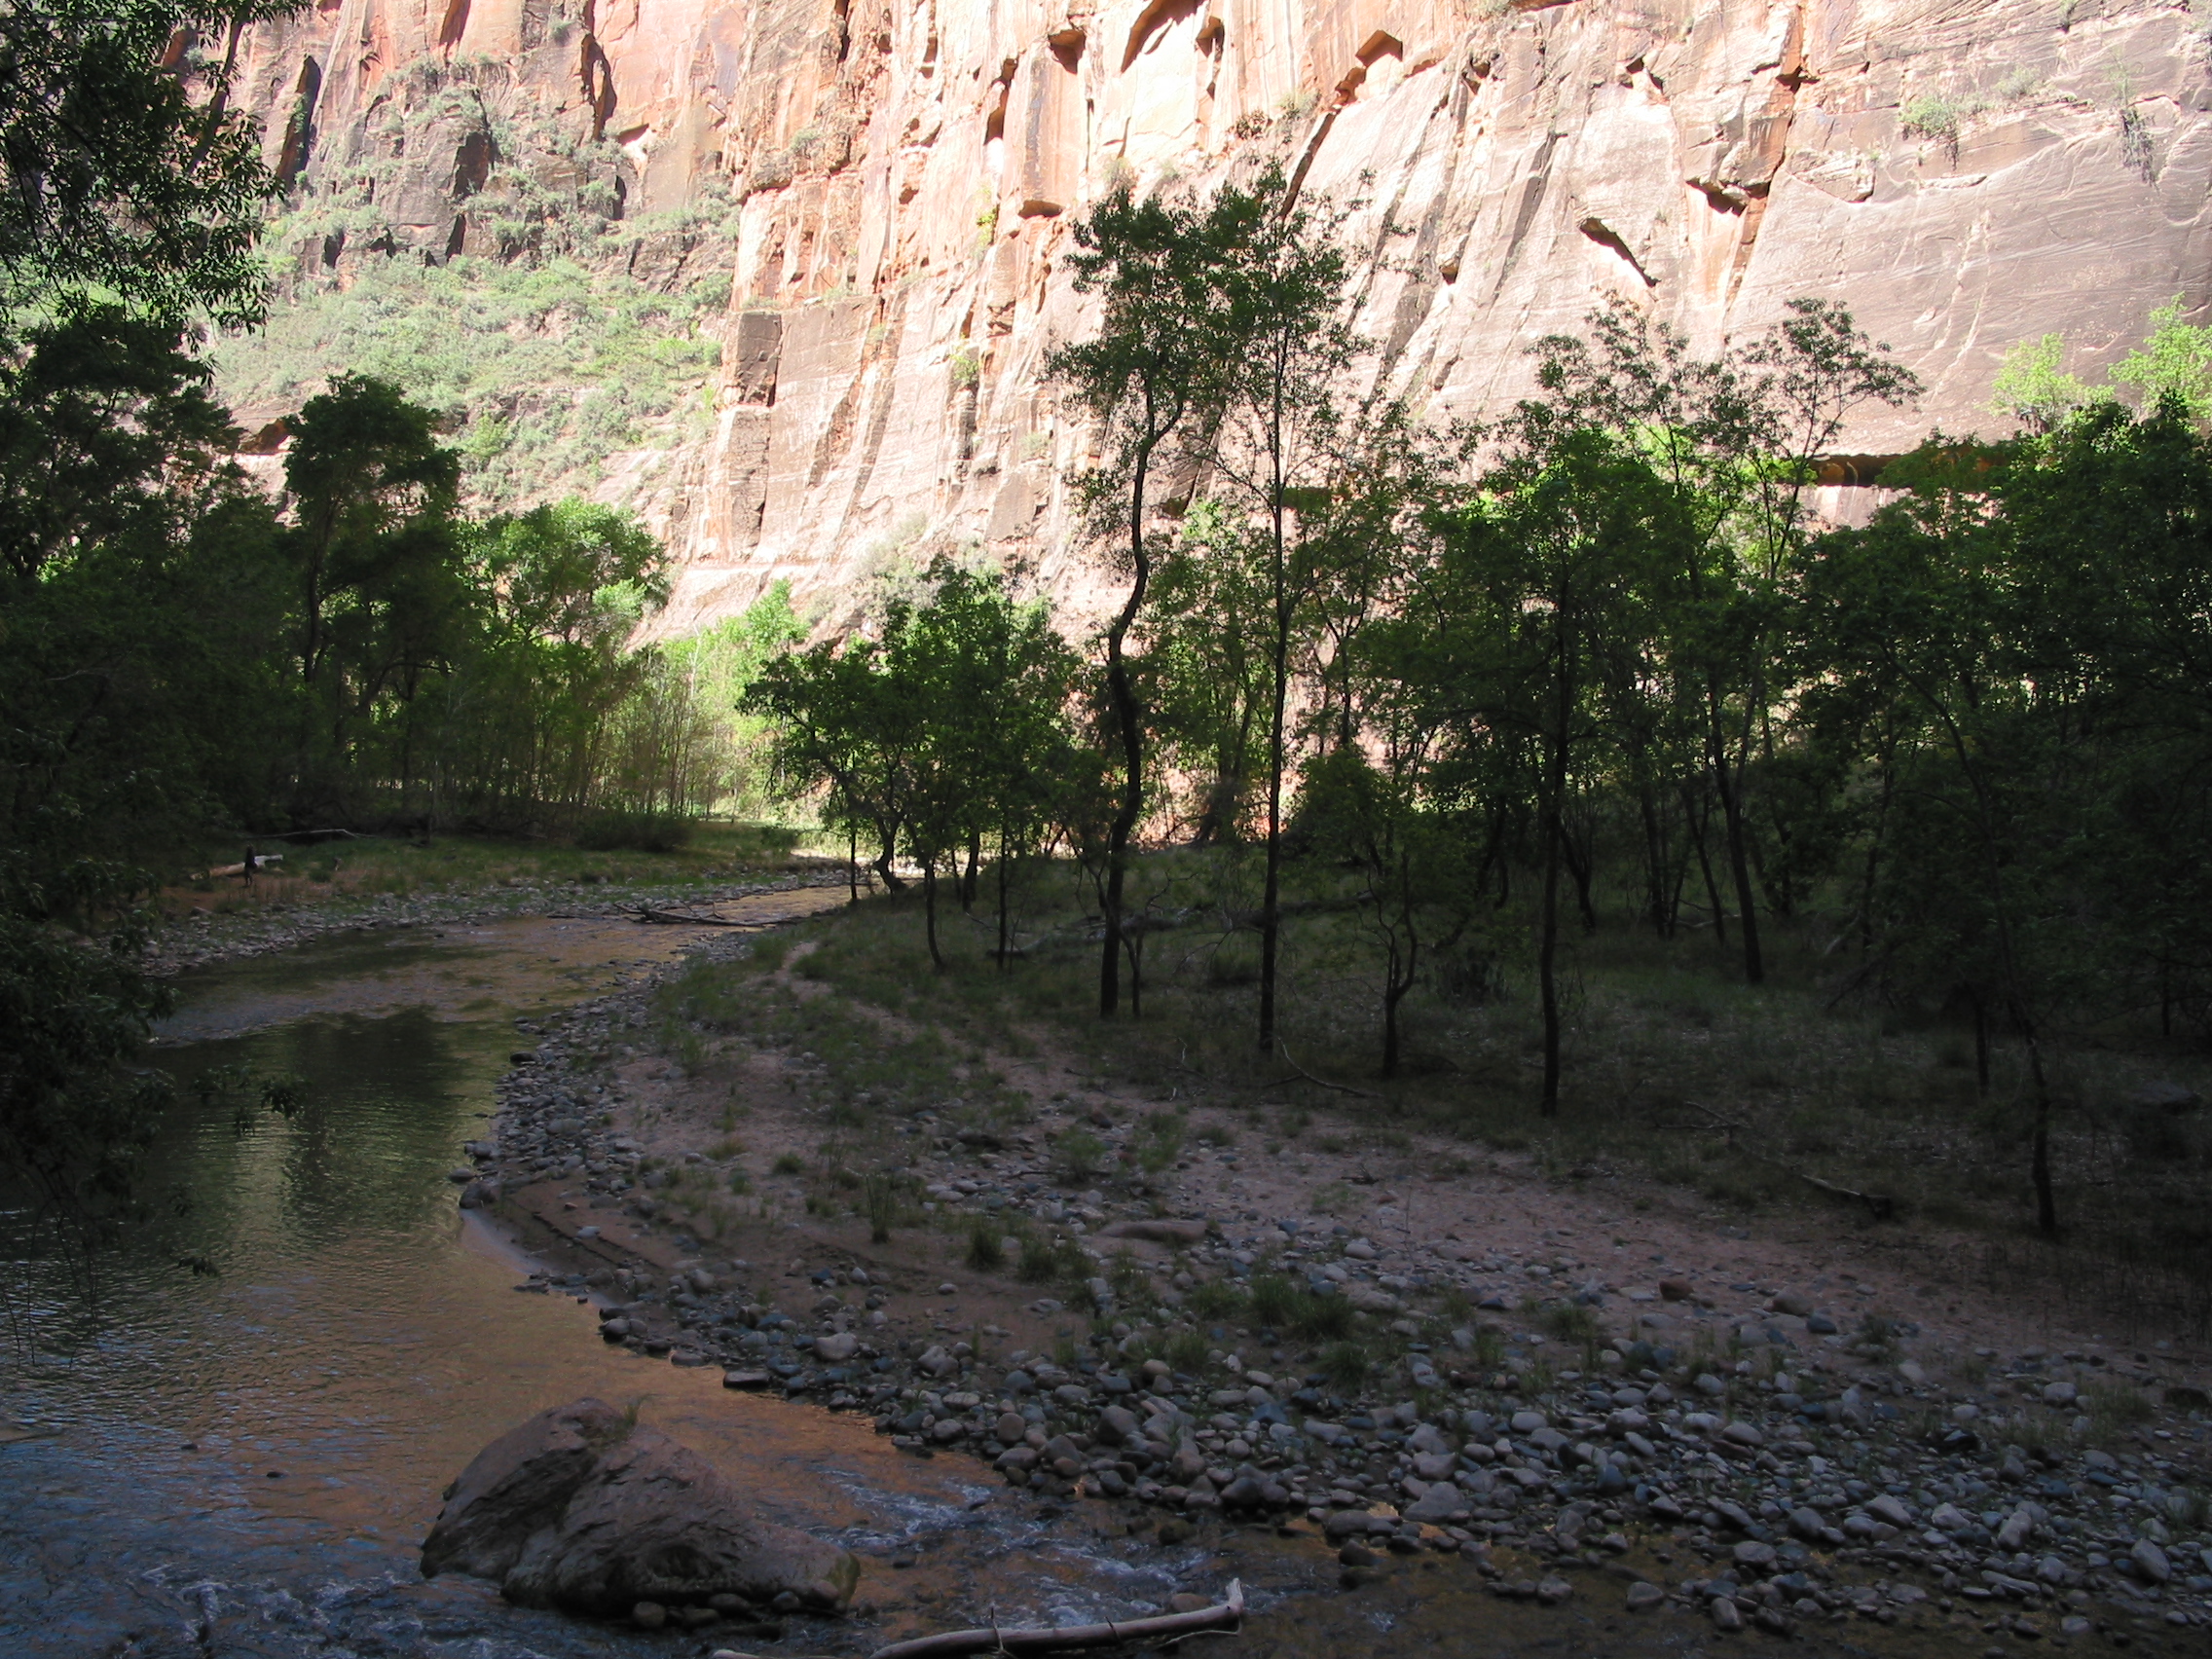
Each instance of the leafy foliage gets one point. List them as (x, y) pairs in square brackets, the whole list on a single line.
[(129, 177)]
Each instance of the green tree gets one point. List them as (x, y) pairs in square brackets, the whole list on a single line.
[(2175, 362), (949, 725), (1279, 278), (1737, 439), (1572, 537), (2033, 386), (127, 173), (1154, 364), (374, 498)]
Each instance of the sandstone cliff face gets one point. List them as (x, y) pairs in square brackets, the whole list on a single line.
[(892, 184)]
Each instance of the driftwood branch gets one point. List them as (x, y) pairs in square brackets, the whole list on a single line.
[(672, 918), (1320, 1082), (1880, 1205), (1226, 1616)]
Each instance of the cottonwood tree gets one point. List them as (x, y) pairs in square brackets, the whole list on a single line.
[(1737, 438), (1560, 557), (2030, 621), (1280, 276), (1153, 370), (948, 724)]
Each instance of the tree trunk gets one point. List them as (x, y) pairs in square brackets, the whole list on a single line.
[(1555, 831), (1002, 880), (2039, 1160), (1740, 867), (968, 880), (928, 910), (891, 879), (1697, 821), (1122, 697), (1655, 862), (1271, 893)]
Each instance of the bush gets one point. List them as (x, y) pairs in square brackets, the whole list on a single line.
[(879, 1200), (1080, 1155), (1321, 1318), (1187, 1352), (1344, 1364), (1046, 1260), (1274, 1301), (986, 1253), (1216, 1299)]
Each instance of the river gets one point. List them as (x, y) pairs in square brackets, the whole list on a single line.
[(244, 1461)]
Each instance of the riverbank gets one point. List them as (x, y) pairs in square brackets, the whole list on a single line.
[(377, 882), (1401, 1347)]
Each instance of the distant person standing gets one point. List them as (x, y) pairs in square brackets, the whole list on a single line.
[(247, 869)]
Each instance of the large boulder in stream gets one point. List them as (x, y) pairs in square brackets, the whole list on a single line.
[(582, 1509)]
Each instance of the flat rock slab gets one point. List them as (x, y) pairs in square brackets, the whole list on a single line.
[(582, 1509)]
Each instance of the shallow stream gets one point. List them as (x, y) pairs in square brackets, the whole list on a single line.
[(244, 1461)]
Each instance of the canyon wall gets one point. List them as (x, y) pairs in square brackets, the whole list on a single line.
[(888, 188)]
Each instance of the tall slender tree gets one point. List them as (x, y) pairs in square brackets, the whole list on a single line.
[(1152, 371)]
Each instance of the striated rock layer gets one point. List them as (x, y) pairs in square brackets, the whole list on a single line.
[(891, 185)]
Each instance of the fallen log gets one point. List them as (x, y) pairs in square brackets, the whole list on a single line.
[(1880, 1205), (1322, 1081), (1227, 1616), (671, 918)]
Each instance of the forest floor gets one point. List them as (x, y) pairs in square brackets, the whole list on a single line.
[(1203, 1296)]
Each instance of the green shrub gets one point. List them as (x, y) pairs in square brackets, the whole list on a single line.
[(1344, 1364), (1215, 1299), (1079, 1154), (1321, 1318), (1187, 1352), (1276, 1301), (986, 1253)]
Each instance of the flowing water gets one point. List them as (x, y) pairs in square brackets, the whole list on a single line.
[(243, 1459)]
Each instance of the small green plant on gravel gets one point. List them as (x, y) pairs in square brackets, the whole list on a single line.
[(1344, 1364), (1570, 1322), (879, 1201), (1274, 1301), (986, 1253), (1131, 1281), (1878, 1338), (1320, 1319), (1079, 1154), (1215, 1299), (2116, 1406), (788, 1163), (1159, 1141), (1187, 1351)]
